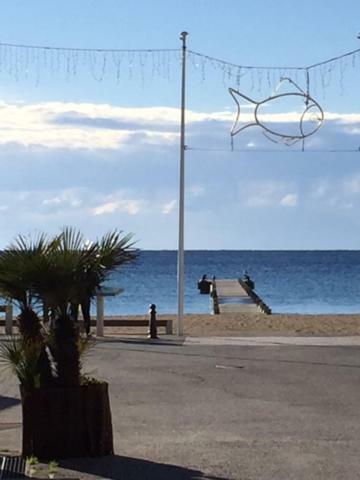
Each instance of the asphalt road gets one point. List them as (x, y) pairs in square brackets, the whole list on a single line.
[(244, 412)]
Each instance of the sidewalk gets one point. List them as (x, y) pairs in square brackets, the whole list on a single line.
[(259, 341), (249, 408), (256, 341)]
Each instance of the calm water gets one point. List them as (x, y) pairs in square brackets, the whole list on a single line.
[(288, 281)]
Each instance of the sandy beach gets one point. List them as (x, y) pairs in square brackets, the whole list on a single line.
[(248, 324), (256, 324)]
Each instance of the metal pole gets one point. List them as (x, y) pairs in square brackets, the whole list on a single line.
[(180, 278)]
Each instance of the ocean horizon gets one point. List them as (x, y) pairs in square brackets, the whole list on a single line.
[(289, 281)]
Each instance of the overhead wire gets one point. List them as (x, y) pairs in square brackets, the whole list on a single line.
[(273, 150), (77, 49), (193, 52), (274, 67)]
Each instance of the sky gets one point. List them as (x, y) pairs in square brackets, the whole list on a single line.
[(91, 139)]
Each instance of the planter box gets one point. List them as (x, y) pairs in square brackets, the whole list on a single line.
[(63, 422)]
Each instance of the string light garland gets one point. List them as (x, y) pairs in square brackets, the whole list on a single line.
[(321, 73), (25, 61)]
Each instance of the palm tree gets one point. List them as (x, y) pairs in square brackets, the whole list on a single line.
[(54, 274), (19, 266)]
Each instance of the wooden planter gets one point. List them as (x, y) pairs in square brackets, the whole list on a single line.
[(63, 422)]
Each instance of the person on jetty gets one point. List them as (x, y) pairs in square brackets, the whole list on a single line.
[(204, 285)]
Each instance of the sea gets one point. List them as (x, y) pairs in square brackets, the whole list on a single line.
[(311, 282)]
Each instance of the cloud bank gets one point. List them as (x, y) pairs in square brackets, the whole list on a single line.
[(100, 167), (101, 126)]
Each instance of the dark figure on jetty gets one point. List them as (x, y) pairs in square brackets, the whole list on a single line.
[(204, 285), (246, 279), (85, 310)]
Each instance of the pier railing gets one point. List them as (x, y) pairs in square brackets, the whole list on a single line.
[(256, 299), (215, 300), (235, 296)]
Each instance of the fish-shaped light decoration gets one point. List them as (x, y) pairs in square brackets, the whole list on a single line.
[(311, 111)]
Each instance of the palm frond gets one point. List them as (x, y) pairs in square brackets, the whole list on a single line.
[(22, 357)]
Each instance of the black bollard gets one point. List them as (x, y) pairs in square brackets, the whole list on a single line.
[(152, 322)]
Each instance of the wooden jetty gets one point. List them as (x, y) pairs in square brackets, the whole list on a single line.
[(235, 296)]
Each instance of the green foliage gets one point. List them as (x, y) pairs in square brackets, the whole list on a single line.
[(86, 380), (53, 466), (25, 358), (65, 268), (55, 273), (32, 460), (29, 324), (20, 266)]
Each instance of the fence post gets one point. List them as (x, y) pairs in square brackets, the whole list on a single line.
[(99, 315), (152, 322), (9, 319)]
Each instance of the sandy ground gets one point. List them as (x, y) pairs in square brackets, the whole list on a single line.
[(258, 324), (250, 324)]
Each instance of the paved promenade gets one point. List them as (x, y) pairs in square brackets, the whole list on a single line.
[(346, 341), (255, 409)]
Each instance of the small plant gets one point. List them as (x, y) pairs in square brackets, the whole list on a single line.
[(86, 380), (53, 468), (31, 465), (32, 460)]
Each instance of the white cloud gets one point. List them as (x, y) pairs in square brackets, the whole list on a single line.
[(51, 201), (263, 193), (169, 207), (62, 202), (68, 198), (352, 185), (103, 126), (71, 125), (320, 190), (289, 200), (269, 193), (197, 190), (131, 207)]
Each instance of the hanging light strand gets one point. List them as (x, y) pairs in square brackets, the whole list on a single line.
[(269, 75), (35, 61), (218, 62), (24, 61)]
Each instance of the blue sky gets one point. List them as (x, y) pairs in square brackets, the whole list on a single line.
[(86, 143)]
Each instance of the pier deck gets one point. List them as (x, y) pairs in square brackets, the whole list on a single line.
[(233, 296)]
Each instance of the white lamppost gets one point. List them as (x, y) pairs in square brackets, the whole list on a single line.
[(180, 271)]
